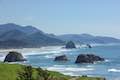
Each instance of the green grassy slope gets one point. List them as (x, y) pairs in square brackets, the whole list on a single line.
[(9, 72)]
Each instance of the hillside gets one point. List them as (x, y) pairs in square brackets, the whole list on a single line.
[(16, 36), (87, 38)]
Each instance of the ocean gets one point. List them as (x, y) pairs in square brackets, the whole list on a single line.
[(44, 58)]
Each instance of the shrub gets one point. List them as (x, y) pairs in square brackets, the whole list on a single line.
[(26, 73)]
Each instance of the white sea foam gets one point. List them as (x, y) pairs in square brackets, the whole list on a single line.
[(107, 60), (79, 69), (55, 69), (69, 69), (70, 73), (2, 58), (113, 70), (89, 66), (55, 51), (59, 65), (48, 56), (40, 52), (44, 51)]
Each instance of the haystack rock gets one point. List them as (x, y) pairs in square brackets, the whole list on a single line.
[(88, 58), (61, 58), (14, 57), (70, 45)]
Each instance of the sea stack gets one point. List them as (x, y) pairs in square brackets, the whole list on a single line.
[(61, 58), (89, 46), (70, 45), (14, 57), (88, 58)]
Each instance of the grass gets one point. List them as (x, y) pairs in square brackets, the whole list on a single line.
[(9, 72)]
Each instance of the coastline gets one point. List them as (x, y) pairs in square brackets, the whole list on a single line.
[(51, 51)]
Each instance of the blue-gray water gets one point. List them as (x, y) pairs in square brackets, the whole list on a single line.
[(109, 68)]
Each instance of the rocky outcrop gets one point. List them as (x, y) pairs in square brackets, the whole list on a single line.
[(89, 46), (61, 58), (14, 57), (88, 58), (70, 45)]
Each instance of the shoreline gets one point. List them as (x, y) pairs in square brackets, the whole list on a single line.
[(50, 49), (78, 46)]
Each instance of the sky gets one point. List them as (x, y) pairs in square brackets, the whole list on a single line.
[(97, 17)]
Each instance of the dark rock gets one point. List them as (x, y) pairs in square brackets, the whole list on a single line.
[(88, 58), (61, 58), (13, 57), (89, 46), (70, 45)]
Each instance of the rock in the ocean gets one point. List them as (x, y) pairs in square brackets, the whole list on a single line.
[(13, 57), (61, 58), (70, 45), (89, 46), (88, 58)]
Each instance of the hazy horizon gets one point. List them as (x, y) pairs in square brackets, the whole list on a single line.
[(99, 18)]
